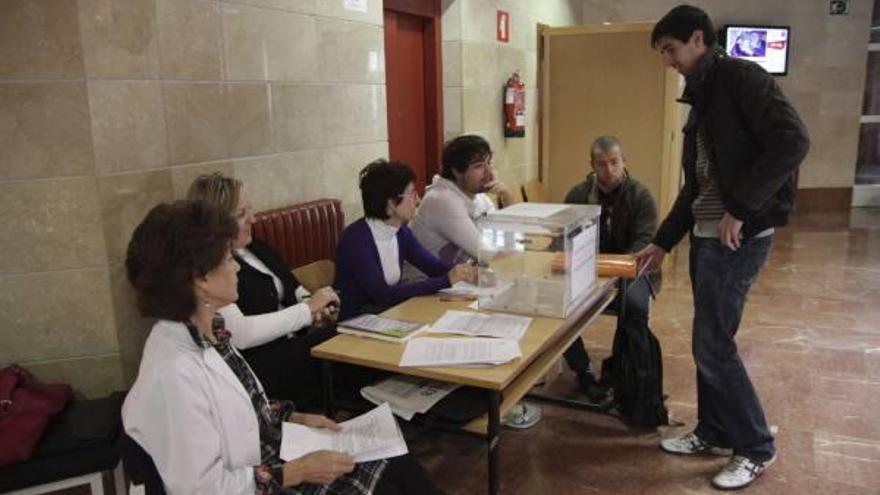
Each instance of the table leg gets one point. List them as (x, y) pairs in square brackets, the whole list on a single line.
[(621, 305), (327, 376), (492, 439)]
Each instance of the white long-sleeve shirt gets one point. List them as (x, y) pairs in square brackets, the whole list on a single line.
[(251, 331), (445, 221)]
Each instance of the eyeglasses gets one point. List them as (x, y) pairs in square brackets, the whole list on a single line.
[(485, 160), (414, 195)]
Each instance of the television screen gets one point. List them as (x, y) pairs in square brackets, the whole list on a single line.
[(767, 46)]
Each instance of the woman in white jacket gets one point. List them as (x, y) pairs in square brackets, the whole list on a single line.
[(196, 407)]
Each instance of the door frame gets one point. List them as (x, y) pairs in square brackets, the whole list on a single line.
[(429, 11)]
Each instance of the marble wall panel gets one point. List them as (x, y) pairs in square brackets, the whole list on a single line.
[(125, 201), (339, 10), (280, 180), (120, 38), (190, 39), (478, 20), (39, 39), (512, 60), (350, 52), (323, 116), (269, 45), (451, 20), (248, 128), (452, 72), (52, 225), (481, 108), (91, 376), (131, 329), (128, 125), (54, 315), (44, 130), (480, 65), (196, 117), (452, 111), (341, 166)]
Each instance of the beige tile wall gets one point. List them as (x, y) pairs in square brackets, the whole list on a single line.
[(476, 66), (110, 106), (826, 69)]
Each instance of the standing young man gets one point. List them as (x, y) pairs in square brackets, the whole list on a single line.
[(742, 143)]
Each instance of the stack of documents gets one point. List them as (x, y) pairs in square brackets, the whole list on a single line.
[(408, 395), (381, 328), (466, 352), (468, 323), (368, 437)]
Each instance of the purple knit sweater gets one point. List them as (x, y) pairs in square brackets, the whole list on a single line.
[(359, 276)]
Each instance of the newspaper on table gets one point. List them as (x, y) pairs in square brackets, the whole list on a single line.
[(408, 395), (368, 437), (459, 352), (467, 323)]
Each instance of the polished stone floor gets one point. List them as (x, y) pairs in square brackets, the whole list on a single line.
[(810, 339)]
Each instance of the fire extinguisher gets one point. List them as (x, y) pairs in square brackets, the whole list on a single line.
[(514, 107)]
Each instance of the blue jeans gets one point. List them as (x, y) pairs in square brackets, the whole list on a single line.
[(729, 413)]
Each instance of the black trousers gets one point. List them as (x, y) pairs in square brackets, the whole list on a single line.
[(286, 368), (638, 308), (405, 476)]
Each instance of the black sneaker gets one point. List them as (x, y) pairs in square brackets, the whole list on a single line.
[(597, 394)]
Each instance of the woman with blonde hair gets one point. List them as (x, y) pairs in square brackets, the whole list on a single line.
[(275, 321)]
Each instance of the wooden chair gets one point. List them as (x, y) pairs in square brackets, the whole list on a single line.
[(533, 192), (316, 274)]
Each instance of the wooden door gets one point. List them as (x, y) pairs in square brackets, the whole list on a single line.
[(412, 76), (606, 79)]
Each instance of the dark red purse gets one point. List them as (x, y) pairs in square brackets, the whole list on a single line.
[(26, 407)]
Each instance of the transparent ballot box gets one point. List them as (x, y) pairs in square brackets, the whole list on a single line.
[(538, 258)]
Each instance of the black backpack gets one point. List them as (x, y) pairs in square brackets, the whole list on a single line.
[(635, 370)]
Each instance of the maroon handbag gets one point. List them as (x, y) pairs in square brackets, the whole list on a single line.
[(26, 406)]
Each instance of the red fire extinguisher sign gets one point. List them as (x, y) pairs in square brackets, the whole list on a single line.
[(514, 107)]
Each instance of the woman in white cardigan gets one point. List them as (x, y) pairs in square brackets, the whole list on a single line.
[(196, 407)]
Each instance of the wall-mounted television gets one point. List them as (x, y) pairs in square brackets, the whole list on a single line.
[(767, 46)]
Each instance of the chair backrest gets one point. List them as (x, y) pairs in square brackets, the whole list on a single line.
[(316, 274), (533, 192), (302, 233), (139, 466)]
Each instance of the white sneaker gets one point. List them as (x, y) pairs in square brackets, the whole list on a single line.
[(691, 444), (522, 416), (740, 472)]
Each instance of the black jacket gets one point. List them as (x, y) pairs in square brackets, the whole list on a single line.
[(256, 290), (633, 215), (755, 141)]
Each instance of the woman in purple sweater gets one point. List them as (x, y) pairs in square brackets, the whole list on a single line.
[(371, 251)]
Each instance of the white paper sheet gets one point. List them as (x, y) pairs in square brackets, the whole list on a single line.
[(534, 210), (583, 262), (463, 288), (407, 395), (368, 437), (474, 351), (476, 324)]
